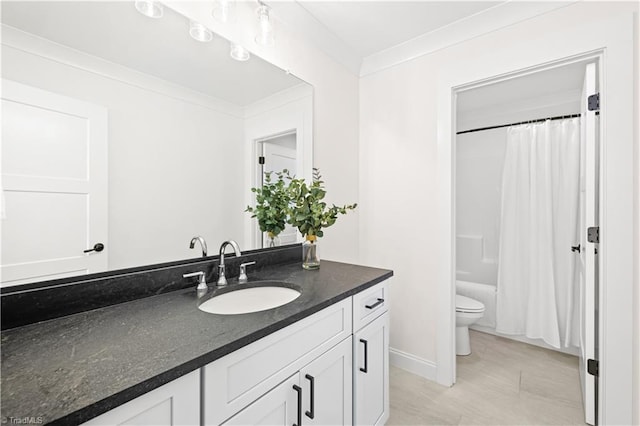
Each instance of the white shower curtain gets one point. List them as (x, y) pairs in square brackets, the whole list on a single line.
[(537, 279)]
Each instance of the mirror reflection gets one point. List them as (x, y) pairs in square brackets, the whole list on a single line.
[(124, 130)]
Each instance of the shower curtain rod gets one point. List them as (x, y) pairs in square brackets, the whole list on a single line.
[(539, 120)]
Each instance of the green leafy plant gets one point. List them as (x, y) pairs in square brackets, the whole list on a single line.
[(308, 212), (272, 204)]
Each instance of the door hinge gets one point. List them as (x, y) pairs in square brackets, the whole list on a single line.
[(593, 367), (261, 160), (593, 102), (593, 234)]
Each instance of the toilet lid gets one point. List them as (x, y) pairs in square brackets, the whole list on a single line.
[(467, 304)]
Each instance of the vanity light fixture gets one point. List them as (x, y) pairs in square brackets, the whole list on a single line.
[(200, 32), (239, 53), (223, 9), (150, 8), (265, 35)]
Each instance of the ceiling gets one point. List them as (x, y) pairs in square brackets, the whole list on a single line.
[(366, 36), (116, 32), (368, 27), (362, 35)]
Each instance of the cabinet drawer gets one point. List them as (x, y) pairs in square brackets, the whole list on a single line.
[(369, 304), (234, 381)]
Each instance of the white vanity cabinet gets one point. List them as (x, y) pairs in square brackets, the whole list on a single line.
[(307, 347), (344, 384), (371, 356), (176, 403), (331, 368), (319, 394)]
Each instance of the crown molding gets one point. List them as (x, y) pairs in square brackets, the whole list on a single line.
[(300, 21), (486, 21), (284, 97)]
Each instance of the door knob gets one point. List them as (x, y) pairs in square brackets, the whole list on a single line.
[(97, 247)]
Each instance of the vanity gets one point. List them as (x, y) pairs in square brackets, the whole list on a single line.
[(320, 359)]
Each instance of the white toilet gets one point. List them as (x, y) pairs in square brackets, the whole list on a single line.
[(468, 311)]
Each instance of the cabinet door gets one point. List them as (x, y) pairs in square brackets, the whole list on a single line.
[(176, 403), (279, 406), (327, 387), (371, 373)]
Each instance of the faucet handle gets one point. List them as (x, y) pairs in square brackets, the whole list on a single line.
[(243, 272), (202, 284)]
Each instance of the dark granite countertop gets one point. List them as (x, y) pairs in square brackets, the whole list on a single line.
[(70, 369)]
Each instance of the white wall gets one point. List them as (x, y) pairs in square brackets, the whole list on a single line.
[(335, 113), (162, 140), (479, 163), (405, 123), (398, 197)]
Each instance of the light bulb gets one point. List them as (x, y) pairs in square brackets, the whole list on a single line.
[(239, 53), (150, 8), (223, 9), (265, 35), (200, 32)]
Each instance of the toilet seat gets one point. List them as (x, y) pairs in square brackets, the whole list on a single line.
[(467, 304)]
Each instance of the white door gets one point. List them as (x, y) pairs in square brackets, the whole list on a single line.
[(371, 373), (280, 154), (279, 406), (54, 185), (588, 254), (326, 387)]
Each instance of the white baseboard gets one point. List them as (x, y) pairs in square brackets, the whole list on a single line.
[(536, 342), (413, 364)]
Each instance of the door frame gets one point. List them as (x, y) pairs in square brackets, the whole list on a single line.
[(446, 356), (587, 58), (612, 34), (258, 150)]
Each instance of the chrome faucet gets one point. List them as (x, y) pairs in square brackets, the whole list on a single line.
[(222, 280), (202, 284), (243, 278), (203, 244)]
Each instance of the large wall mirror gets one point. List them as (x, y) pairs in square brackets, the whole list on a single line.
[(123, 130)]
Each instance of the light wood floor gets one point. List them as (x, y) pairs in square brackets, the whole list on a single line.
[(502, 382)]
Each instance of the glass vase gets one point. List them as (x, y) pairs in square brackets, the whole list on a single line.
[(310, 257), (271, 240)]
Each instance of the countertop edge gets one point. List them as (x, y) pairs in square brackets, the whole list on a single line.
[(104, 405)]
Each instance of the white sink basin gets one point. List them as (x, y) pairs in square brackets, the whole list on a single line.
[(246, 300)]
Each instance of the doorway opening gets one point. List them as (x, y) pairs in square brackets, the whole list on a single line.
[(526, 175), (276, 154)]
